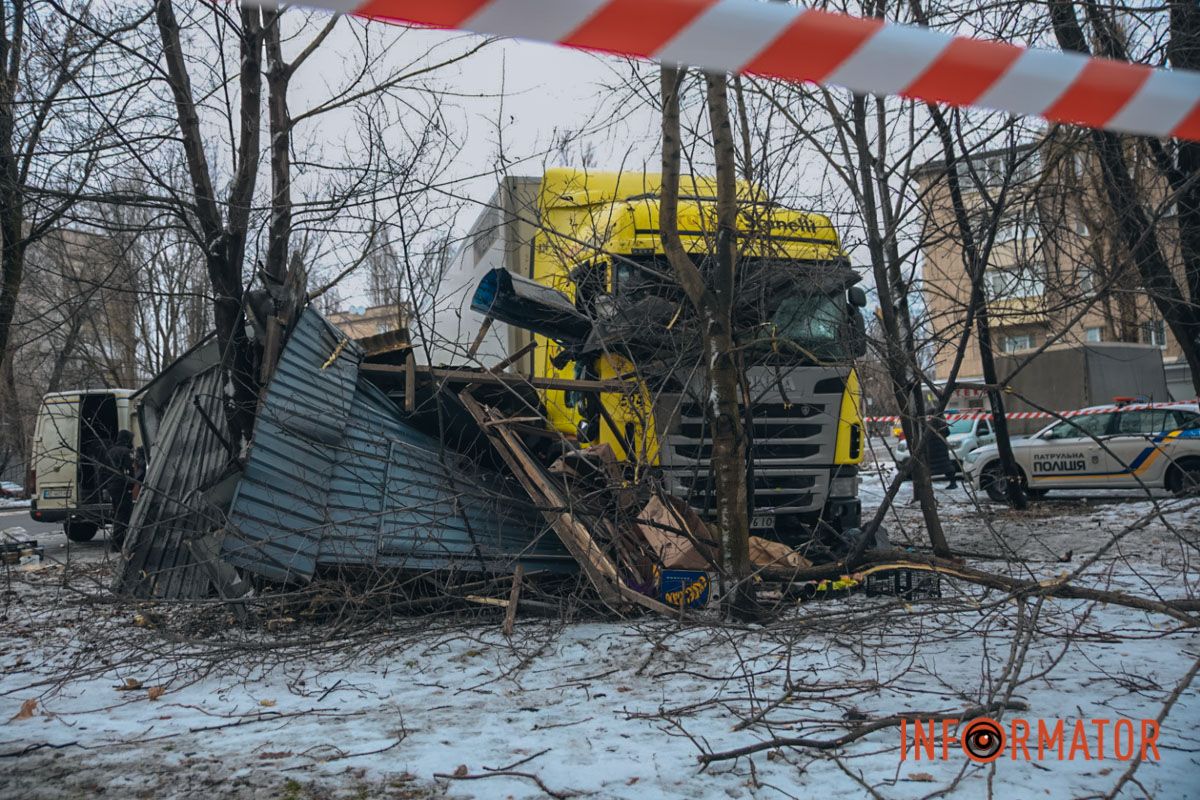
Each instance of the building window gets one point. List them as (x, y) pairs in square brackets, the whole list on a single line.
[(1094, 334), (1087, 281), (1028, 165), (1018, 341), (1155, 333), (1020, 225), (1028, 280), (1080, 165)]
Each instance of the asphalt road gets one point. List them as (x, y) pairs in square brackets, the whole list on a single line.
[(51, 537), (14, 517)]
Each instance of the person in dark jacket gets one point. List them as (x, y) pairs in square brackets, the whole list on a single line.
[(936, 451), (120, 483)]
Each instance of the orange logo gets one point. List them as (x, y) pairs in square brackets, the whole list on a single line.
[(984, 740)]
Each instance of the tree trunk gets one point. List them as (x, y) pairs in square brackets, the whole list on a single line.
[(12, 216), (729, 454), (975, 259), (224, 240), (278, 77), (898, 344), (729, 441)]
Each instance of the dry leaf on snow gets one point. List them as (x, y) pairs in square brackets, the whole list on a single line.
[(155, 692), (129, 685), (28, 709), (267, 703), (923, 777)]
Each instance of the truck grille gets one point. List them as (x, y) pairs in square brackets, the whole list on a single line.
[(792, 445)]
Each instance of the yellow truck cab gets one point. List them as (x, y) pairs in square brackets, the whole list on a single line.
[(598, 244), (72, 433)]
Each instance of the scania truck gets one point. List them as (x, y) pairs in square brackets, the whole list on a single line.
[(594, 239)]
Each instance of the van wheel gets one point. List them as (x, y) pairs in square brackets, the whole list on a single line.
[(1184, 479), (79, 531), (995, 483)]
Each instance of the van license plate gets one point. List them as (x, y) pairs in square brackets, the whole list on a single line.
[(761, 521), (56, 494)]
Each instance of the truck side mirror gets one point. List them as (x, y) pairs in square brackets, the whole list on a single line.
[(857, 297), (858, 334)]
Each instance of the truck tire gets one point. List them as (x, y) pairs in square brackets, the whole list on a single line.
[(1184, 478), (79, 531)]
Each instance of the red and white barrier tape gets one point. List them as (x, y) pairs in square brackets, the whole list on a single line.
[(865, 55), (1046, 414)]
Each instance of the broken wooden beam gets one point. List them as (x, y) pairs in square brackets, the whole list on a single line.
[(483, 331), (466, 376), (598, 568), (410, 382), (514, 596)]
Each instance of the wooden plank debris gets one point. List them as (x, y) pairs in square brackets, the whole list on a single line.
[(595, 564), (410, 382), (483, 331), (514, 596), (466, 376)]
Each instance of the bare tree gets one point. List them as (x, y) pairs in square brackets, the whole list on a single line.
[(713, 300), (54, 130), (222, 232)]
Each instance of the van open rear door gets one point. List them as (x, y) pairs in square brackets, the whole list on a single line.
[(56, 456)]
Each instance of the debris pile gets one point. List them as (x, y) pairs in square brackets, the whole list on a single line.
[(363, 461)]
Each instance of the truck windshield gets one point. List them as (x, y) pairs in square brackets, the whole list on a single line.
[(809, 324)]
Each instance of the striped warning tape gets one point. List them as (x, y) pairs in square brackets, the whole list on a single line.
[(1081, 412), (866, 55)]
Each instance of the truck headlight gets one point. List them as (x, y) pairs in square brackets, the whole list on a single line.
[(844, 487)]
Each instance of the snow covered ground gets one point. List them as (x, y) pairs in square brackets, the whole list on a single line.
[(155, 702)]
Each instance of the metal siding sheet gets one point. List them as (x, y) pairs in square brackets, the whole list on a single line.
[(336, 478), (186, 458)]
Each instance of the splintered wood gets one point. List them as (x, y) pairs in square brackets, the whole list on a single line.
[(555, 506)]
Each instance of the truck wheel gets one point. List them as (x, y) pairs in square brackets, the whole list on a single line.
[(79, 531), (1184, 479)]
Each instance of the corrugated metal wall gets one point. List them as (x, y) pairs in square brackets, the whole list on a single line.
[(335, 477), (186, 458)]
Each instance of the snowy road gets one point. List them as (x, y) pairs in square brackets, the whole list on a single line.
[(607, 710)]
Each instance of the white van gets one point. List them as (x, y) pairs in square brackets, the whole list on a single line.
[(73, 432)]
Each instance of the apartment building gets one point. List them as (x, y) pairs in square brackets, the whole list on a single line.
[(75, 328), (1056, 275)]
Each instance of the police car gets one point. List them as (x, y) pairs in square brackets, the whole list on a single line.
[(1117, 446)]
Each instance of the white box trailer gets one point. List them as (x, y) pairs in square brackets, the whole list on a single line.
[(444, 327), (73, 432)]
